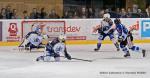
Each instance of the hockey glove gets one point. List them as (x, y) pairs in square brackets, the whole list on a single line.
[(67, 56)]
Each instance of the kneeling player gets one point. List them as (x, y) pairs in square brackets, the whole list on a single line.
[(125, 38), (53, 49)]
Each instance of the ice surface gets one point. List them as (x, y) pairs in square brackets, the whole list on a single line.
[(107, 63)]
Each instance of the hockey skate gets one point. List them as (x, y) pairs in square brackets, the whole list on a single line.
[(40, 58), (127, 55), (37, 59), (118, 49), (144, 52), (96, 49)]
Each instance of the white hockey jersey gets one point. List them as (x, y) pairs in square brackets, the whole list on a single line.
[(59, 48), (35, 39)]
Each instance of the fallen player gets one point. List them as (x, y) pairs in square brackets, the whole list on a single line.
[(53, 49)]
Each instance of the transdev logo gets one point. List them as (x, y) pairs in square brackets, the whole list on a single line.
[(13, 29), (145, 28)]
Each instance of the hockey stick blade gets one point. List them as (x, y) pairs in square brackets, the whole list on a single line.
[(79, 59), (82, 59)]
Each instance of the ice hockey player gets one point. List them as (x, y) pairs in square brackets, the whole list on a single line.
[(35, 30), (33, 39), (125, 38), (54, 48), (102, 29)]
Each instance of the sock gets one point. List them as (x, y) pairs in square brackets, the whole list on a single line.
[(125, 50), (98, 45), (136, 49)]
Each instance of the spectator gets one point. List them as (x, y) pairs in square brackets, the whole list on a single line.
[(84, 13), (34, 14), (123, 13), (14, 14), (53, 14), (43, 14), (25, 15), (135, 8), (148, 11), (118, 10), (75, 16), (140, 13), (101, 13), (129, 13), (65, 15), (8, 12), (90, 13), (3, 13), (70, 14), (97, 13)]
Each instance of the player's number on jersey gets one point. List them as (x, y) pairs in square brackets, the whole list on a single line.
[(36, 40), (59, 49)]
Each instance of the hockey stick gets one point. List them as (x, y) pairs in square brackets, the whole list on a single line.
[(75, 59), (79, 59), (82, 59), (21, 43)]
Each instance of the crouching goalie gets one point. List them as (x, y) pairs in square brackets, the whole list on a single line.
[(125, 38), (54, 48), (33, 40)]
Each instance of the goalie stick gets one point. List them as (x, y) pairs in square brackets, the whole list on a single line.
[(21, 43)]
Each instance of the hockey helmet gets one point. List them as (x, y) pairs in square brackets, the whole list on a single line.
[(62, 38), (117, 21), (106, 16)]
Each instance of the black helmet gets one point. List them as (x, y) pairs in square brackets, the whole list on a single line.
[(117, 21)]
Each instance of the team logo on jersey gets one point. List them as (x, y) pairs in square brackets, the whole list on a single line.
[(13, 29)]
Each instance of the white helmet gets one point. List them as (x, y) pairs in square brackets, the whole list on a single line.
[(106, 15), (62, 37), (45, 37)]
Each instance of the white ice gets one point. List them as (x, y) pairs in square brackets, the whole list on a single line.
[(107, 63)]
